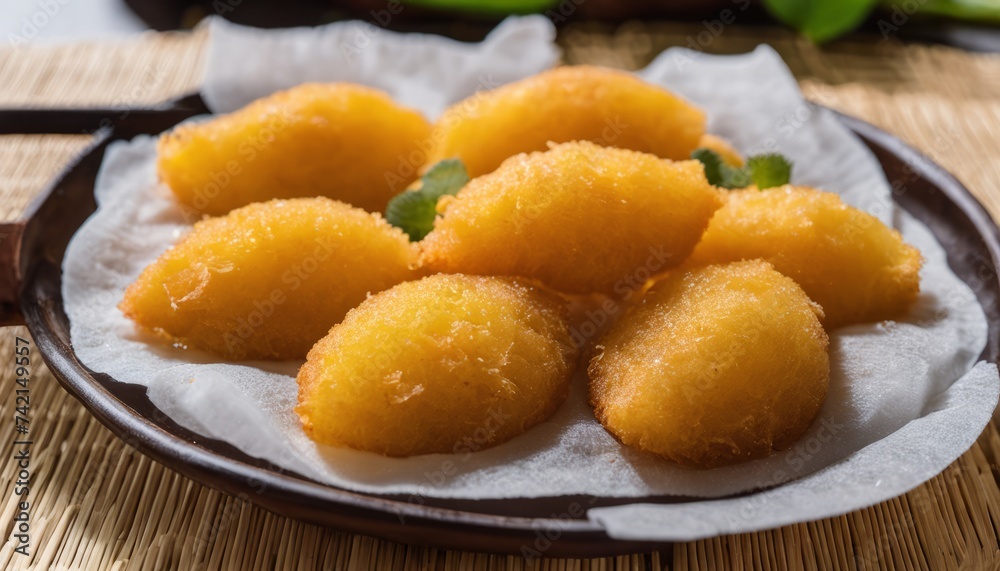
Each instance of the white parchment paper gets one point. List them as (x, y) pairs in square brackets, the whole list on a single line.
[(419, 70), (906, 398)]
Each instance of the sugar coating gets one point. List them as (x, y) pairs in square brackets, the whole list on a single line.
[(581, 218), (608, 107), (343, 141), (448, 364), (858, 269), (716, 365), (268, 280)]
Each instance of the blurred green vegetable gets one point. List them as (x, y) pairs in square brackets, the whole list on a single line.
[(821, 20), (986, 11), (824, 20)]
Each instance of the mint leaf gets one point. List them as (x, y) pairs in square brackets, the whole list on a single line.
[(713, 164), (718, 172), (445, 177), (733, 177), (765, 171), (414, 211), (769, 170)]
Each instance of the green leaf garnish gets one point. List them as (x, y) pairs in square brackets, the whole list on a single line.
[(445, 177), (413, 211), (718, 172), (713, 164), (765, 171), (769, 170), (735, 177)]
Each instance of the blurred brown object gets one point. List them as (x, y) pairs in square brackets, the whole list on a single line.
[(174, 14)]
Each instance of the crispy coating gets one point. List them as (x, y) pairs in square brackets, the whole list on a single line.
[(580, 217), (448, 364), (846, 260), (729, 154), (609, 107), (339, 140), (716, 365), (268, 280)]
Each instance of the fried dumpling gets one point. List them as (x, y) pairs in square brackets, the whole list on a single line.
[(268, 280), (446, 364)]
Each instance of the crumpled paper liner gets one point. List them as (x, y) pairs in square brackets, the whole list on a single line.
[(905, 397)]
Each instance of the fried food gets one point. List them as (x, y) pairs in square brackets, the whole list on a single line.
[(580, 217), (447, 364), (724, 148), (717, 365), (268, 280), (846, 260), (609, 107), (339, 140)]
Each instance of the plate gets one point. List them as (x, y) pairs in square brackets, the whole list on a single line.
[(30, 286)]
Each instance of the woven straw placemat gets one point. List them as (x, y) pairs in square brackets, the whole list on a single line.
[(98, 504)]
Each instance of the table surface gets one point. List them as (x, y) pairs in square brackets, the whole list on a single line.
[(96, 503)]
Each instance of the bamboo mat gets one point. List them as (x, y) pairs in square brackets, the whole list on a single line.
[(98, 504)]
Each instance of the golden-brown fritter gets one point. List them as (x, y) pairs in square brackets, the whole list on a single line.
[(268, 280), (581, 218), (339, 140), (446, 364), (716, 365), (846, 260), (609, 107)]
